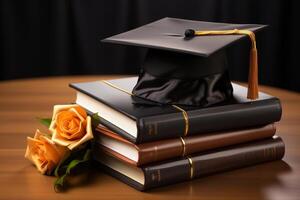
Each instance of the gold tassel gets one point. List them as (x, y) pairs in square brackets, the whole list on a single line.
[(253, 64), (253, 75)]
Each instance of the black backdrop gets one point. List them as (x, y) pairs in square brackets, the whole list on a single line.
[(60, 37)]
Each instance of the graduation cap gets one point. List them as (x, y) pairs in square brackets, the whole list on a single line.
[(186, 62)]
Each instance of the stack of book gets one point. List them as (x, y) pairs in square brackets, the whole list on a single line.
[(150, 145)]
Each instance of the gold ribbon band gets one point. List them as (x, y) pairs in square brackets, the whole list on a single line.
[(116, 87), (191, 167), (230, 32), (183, 146), (186, 119), (184, 113)]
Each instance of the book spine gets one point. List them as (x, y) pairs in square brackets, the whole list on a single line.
[(213, 162), (178, 147), (209, 120)]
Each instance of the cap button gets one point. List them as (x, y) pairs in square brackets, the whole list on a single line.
[(189, 33)]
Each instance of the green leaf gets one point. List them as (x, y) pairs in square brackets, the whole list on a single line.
[(45, 121), (59, 184), (60, 164), (74, 163), (95, 119), (88, 154)]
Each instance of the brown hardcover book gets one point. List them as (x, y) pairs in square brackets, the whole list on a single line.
[(194, 166), (141, 154)]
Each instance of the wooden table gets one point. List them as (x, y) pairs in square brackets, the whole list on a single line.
[(22, 101)]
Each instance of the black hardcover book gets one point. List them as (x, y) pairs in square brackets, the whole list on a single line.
[(194, 166), (142, 121)]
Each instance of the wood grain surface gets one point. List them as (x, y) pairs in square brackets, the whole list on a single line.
[(21, 101)]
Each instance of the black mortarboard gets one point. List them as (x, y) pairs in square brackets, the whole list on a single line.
[(186, 63)]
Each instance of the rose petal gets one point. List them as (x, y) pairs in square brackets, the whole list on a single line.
[(80, 114), (72, 134), (88, 136), (57, 109), (72, 144), (59, 140), (81, 111)]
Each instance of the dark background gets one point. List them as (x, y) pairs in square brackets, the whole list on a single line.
[(61, 37)]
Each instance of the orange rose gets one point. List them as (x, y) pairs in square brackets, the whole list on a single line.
[(43, 152), (70, 126)]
